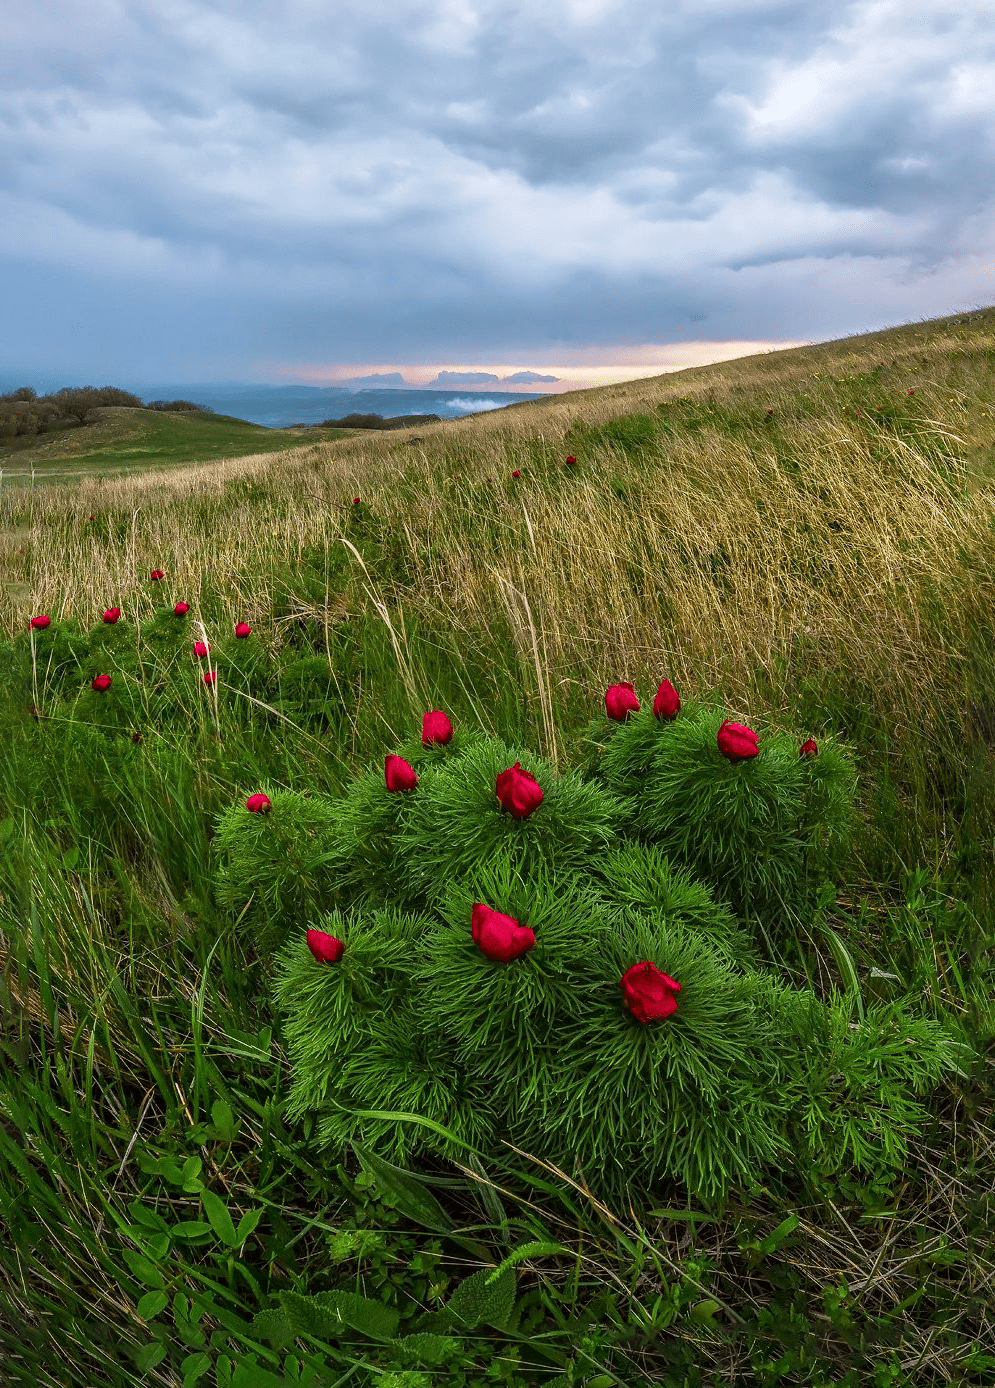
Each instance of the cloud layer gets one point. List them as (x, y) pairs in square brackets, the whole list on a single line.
[(207, 189)]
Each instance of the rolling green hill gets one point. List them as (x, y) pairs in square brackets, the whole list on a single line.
[(122, 441)]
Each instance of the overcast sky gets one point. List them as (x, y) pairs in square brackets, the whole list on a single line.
[(198, 190)]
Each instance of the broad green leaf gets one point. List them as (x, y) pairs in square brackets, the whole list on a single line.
[(190, 1229), (479, 1301), (400, 1189), (195, 1366), (149, 1355), (704, 1312), (221, 1221), (326, 1315), (273, 1328), (777, 1236), (151, 1304), (424, 1348), (247, 1224), (144, 1214), (223, 1120), (145, 1270)]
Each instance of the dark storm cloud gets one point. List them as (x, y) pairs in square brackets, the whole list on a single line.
[(226, 184)]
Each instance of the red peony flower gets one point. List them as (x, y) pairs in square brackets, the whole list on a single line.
[(570, 461), (399, 774), (516, 474), (912, 392), (93, 518), (243, 630), (436, 727), (101, 683), (518, 791), (809, 748), (737, 741), (156, 574), (667, 704), (769, 413), (649, 994), (620, 701), (181, 609), (325, 948), (355, 501), (40, 622), (210, 676), (259, 803), (500, 938), (200, 649), (111, 615)]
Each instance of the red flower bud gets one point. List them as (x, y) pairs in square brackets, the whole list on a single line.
[(156, 574), (200, 649), (620, 701), (259, 803), (649, 994), (436, 727), (181, 609), (518, 791), (912, 392), (40, 622), (243, 630), (500, 938), (93, 518), (355, 501), (399, 774), (667, 704), (210, 676), (571, 460), (809, 748), (737, 741), (101, 683), (111, 615), (516, 474), (325, 948)]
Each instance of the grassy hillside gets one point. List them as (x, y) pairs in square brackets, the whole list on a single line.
[(806, 538), (121, 441)]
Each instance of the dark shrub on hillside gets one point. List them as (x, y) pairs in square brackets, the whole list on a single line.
[(178, 407), (376, 421), (78, 401)]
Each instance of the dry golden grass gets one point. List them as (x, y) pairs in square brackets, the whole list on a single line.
[(702, 557)]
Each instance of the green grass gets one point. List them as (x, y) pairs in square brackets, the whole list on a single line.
[(121, 442), (160, 1220)]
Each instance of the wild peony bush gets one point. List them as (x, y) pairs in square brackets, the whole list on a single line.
[(282, 869), (517, 962), (762, 824)]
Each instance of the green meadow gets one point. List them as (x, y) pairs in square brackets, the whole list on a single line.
[(120, 441), (802, 542)]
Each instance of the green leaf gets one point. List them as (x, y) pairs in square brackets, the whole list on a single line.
[(70, 858), (190, 1229), (149, 1355), (247, 1224), (221, 1221), (143, 1214), (193, 1367), (425, 1348), (400, 1189), (324, 1316), (704, 1312), (223, 1120), (479, 1300), (273, 1328), (6, 828), (777, 1236), (151, 1304), (143, 1269), (847, 968)]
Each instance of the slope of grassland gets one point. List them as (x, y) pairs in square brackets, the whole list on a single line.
[(120, 441), (807, 536)]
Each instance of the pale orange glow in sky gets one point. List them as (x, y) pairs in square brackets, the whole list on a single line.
[(577, 368)]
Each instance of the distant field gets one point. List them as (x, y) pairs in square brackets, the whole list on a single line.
[(126, 441)]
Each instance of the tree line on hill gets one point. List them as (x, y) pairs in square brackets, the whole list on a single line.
[(24, 411), (377, 421)]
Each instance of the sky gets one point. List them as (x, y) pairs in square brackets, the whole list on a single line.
[(231, 190)]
